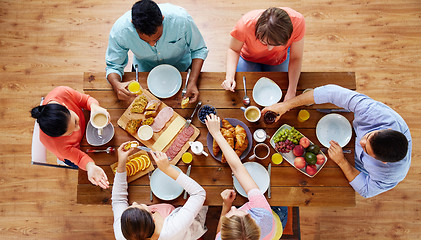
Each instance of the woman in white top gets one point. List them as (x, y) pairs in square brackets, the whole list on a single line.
[(159, 221)]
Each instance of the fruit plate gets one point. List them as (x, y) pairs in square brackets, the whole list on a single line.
[(289, 156)]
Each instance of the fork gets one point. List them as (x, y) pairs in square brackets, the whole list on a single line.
[(184, 91), (188, 121)]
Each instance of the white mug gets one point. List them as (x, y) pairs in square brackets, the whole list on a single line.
[(99, 121), (197, 148), (260, 147), (260, 135), (251, 113)]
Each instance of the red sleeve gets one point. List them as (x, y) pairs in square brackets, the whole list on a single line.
[(82, 100), (239, 31), (78, 157)]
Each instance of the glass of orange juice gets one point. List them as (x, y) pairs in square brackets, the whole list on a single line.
[(134, 87), (187, 157), (277, 158), (303, 115)]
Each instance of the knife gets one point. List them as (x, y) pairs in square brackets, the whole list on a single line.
[(331, 110), (147, 150), (150, 187), (188, 174), (269, 171), (324, 150)]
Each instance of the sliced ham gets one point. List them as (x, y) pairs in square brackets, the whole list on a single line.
[(180, 141), (162, 118)]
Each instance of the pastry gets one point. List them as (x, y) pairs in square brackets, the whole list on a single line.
[(229, 136), (153, 105), (148, 121), (133, 125), (139, 104), (226, 125), (241, 141), (149, 114), (185, 102)]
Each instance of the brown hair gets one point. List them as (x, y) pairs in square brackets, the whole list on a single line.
[(239, 228), (137, 224), (274, 26)]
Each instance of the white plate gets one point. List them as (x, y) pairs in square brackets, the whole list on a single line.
[(94, 139), (259, 174), (266, 92), (164, 187), (333, 127), (164, 81), (289, 156)]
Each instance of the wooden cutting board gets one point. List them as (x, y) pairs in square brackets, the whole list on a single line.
[(141, 172), (127, 116)]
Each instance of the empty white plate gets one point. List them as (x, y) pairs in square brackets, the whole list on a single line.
[(164, 81), (266, 92), (333, 127), (163, 186), (259, 174)]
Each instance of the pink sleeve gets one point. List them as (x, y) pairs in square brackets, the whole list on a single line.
[(239, 31), (82, 100), (256, 200)]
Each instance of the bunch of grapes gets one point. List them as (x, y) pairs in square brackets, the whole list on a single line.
[(284, 146), (288, 134)]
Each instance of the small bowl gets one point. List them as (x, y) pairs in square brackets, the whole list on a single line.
[(203, 109), (145, 132)]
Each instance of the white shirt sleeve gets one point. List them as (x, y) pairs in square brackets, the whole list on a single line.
[(119, 202)]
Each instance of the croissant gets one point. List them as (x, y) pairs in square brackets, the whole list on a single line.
[(229, 136), (226, 125), (241, 141), (215, 148)]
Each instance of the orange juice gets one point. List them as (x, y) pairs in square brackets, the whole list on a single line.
[(134, 87), (187, 157), (303, 115), (277, 158)]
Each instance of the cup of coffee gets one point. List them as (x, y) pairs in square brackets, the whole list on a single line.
[(260, 151), (99, 121), (251, 113)]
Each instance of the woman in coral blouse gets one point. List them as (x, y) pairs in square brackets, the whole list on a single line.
[(62, 125), (270, 40)]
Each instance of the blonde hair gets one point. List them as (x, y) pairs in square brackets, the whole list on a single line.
[(239, 228)]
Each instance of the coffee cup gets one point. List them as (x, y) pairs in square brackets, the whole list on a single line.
[(260, 135), (251, 113), (99, 121), (261, 151)]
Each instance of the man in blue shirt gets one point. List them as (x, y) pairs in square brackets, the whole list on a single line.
[(156, 34), (383, 142)]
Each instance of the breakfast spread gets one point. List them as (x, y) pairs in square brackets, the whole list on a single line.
[(235, 136)]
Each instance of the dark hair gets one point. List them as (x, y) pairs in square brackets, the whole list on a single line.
[(146, 17), (274, 26), (389, 145), (53, 118), (137, 224)]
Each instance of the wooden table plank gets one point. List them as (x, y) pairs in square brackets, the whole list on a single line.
[(289, 187), (288, 196)]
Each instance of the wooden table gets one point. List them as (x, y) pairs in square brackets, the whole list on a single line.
[(289, 187)]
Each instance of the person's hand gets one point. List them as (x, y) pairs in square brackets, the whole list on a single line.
[(97, 176), (161, 160), (279, 108), (228, 196), (290, 94), (122, 156), (192, 93), (213, 123), (229, 84), (120, 88), (335, 152)]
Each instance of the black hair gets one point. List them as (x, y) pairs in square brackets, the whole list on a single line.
[(146, 17), (389, 145), (53, 118), (274, 26), (137, 224)]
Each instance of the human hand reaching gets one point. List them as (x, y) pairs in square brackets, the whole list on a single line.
[(97, 176), (229, 84)]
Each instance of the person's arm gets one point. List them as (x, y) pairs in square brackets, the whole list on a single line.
[(283, 107), (294, 68), (336, 154), (119, 195), (192, 90), (237, 167), (228, 196), (233, 54)]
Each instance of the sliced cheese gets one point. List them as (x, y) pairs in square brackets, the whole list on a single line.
[(168, 134)]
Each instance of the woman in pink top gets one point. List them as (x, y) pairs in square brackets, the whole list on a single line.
[(62, 125), (267, 41), (253, 220)]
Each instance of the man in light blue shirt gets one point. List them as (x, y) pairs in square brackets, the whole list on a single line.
[(383, 143), (156, 34)]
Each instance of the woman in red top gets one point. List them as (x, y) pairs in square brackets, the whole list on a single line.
[(62, 125), (270, 40)]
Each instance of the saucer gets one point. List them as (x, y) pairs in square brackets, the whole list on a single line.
[(94, 139)]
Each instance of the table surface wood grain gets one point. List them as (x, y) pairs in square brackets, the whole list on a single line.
[(289, 187)]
